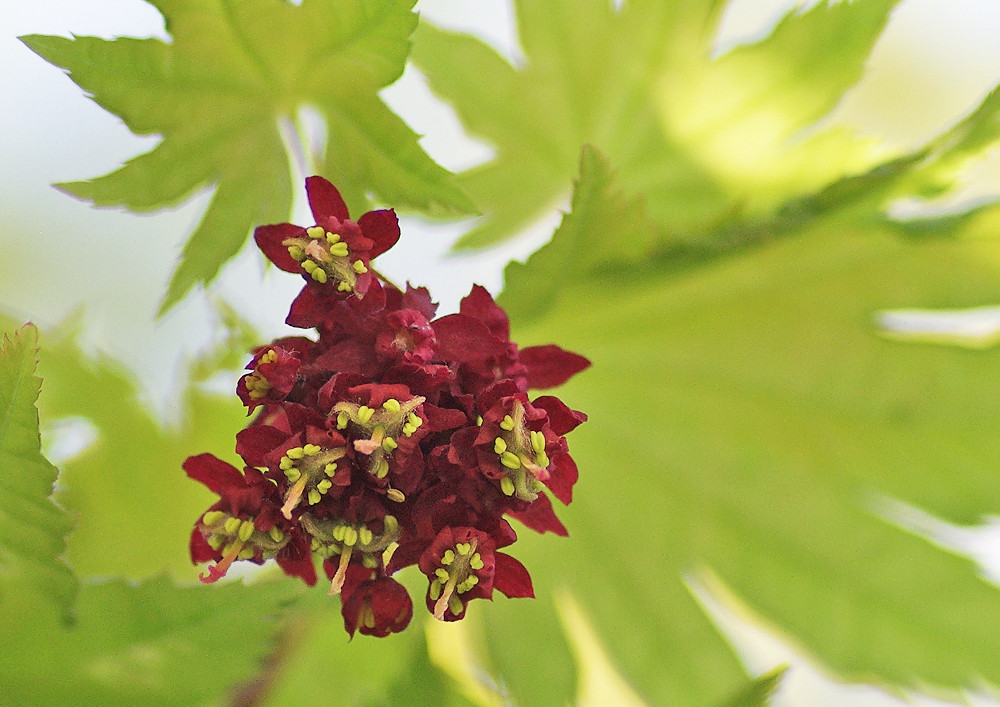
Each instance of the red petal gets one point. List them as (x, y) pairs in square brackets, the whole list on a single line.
[(464, 339), (511, 577), (549, 366), (201, 551), (564, 475), (540, 517), (213, 472), (269, 240), (479, 304), (382, 227), (561, 418), (325, 200)]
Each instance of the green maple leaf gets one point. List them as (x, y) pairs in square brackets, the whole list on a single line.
[(748, 420), (32, 527), (701, 137), (115, 486), (217, 93), (151, 643)]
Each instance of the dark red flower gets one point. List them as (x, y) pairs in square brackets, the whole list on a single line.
[(335, 252), (392, 438), (377, 607)]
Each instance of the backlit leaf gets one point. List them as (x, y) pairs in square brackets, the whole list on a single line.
[(217, 93), (32, 528)]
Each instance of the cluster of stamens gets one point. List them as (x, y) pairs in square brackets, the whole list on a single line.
[(331, 537), (324, 255), (238, 539), (522, 454), (309, 469), (455, 576), (257, 385), (383, 426)]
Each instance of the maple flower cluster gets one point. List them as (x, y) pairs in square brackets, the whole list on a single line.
[(392, 439)]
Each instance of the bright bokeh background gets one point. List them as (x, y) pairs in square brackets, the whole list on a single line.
[(60, 256)]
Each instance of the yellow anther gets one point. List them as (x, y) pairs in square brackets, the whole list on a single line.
[(542, 459), (246, 530), (285, 463), (332, 238), (324, 485), (245, 554), (476, 562), (296, 253), (507, 486), (232, 524), (395, 495), (389, 444), (434, 590), (448, 557), (216, 541), (381, 469), (507, 423), (350, 536), (455, 604), (276, 534), (365, 536), (344, 287), (442, 573), (319, 275), (499, 445), (338, 532), (414, 419), (408, 429), (315, 231), (312, 449), (309, 266), (339, 249), (295, 453), (510, 460), (392, 405), (342, 419), (212, 517), (269, 357), (359, 267), (314, 497), (365, 414), (293, 474), (330, 469), (463, 548), (537, 441)]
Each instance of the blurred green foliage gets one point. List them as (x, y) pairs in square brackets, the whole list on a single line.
[(721, 264)]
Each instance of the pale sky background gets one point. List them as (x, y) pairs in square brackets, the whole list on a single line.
[(70, 256)]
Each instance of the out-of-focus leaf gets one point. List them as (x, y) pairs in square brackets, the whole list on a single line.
[(217, 93), (322, 665), (699, 137), (131, 504), (151, 644), (758, 693), (32, 528), (745, 414)]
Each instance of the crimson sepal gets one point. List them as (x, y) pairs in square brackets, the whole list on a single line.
[(325, 200), (270, 239), (549, 366)]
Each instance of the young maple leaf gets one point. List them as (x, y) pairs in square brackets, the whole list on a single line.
[(700, 135), (217, 94)]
